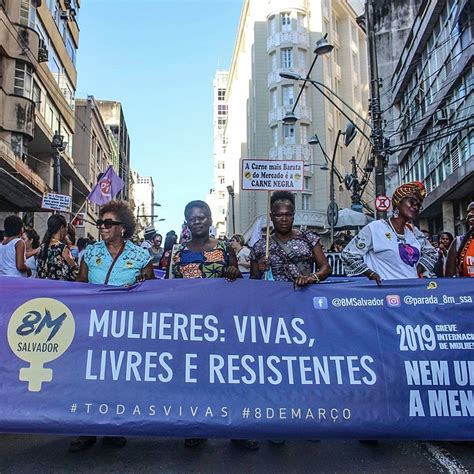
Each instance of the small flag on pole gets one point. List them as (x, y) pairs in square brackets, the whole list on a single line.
[(108, 186)]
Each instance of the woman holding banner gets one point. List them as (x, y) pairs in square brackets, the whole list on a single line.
[(291, 252), (114, 261), (394, 248), (461, 252), (204, 257)]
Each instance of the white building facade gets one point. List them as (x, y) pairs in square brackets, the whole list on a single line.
[(144, 197), (278, 36), (218, 195)]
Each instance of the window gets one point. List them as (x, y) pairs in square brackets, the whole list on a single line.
[(273, 61), (285, 22), (222, 109), (272, 25), (23, 79), (70, 47), (306, 202), (307, 183), (221, 122), (288, 95), (220, 165), (220, 94), (36, 94), (304, 134), (301, 59), (275, 136), (221, 195), (221, 179), (303, 98), (28, 13), (273, 99), (289, 134), (17, 144), (287, 57), (301, 21)]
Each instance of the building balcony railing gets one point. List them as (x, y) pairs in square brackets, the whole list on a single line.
[(274, 77), (291, 152), (300, 38), (303, 113)]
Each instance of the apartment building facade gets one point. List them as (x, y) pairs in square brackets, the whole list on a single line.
[(430, 109), (38, 46), (114, 119), (144, 198), (94, 151), (218, 195), (280, 36)]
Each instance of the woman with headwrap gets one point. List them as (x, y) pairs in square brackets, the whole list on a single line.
[(461, 252), (393, 248)]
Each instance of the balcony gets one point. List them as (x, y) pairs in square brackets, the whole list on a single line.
[(274, 77), (291, 152), (300, 38), (17, 114), (17, 41), (303, 113)]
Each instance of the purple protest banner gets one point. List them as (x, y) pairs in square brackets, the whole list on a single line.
[(108, 186)]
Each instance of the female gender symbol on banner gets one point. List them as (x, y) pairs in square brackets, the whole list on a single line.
[(382, 203), (40, 331)]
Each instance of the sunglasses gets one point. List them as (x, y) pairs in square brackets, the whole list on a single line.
[(107, 223)]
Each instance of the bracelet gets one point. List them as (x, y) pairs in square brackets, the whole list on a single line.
[(317, 278)]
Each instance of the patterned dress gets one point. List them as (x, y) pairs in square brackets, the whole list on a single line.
[(205, 264), (283, 269), (54, 267)]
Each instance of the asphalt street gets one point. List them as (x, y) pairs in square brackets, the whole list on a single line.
[(48, 454)]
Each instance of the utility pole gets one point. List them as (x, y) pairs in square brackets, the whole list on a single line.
[(378, 157)]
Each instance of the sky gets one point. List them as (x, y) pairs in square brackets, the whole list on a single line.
[(158, 58)]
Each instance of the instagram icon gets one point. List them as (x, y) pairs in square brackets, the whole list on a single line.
[(393, 300)]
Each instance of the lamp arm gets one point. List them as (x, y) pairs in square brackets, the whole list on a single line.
[(342, 100), (306, 79)]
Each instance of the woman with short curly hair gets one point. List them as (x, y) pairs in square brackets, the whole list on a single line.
[(114, 261)]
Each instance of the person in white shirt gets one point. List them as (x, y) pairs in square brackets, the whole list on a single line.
[(394, 248), (13, 249), (237, 242)]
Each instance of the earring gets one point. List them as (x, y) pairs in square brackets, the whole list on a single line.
[(123, 232), (396, 212)]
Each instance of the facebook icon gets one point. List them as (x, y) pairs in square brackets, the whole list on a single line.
[(320, 302)]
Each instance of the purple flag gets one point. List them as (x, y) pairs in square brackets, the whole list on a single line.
[(106, 188)]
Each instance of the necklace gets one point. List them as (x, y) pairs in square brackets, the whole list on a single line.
[(400, 237)]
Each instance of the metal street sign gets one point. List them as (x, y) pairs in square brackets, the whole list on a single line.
[(57, 202), (333, 214), (382, 203), (272, 175)]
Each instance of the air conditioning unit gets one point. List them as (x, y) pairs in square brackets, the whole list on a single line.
[(42, 52), (64, 15), (441, 118)]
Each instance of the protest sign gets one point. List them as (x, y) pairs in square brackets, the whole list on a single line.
[(57, 202), (246, 359), (268, 175)]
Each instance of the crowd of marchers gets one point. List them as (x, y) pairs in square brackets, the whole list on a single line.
[(386, 249)]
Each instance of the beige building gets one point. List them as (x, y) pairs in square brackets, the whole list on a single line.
[(38, 44), (94, 150), (280, 36)]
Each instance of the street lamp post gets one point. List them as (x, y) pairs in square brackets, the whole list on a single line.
[(58, 145), (230, 190)]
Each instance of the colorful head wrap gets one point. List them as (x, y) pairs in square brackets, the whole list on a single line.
[(415, 188)]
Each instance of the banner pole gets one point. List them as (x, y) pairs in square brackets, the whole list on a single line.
[(79, 211), (268, 227)]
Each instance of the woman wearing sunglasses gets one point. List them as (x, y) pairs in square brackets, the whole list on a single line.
[(114, 261), (393, 248)]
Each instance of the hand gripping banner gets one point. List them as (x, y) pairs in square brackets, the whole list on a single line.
[(247, 359)]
